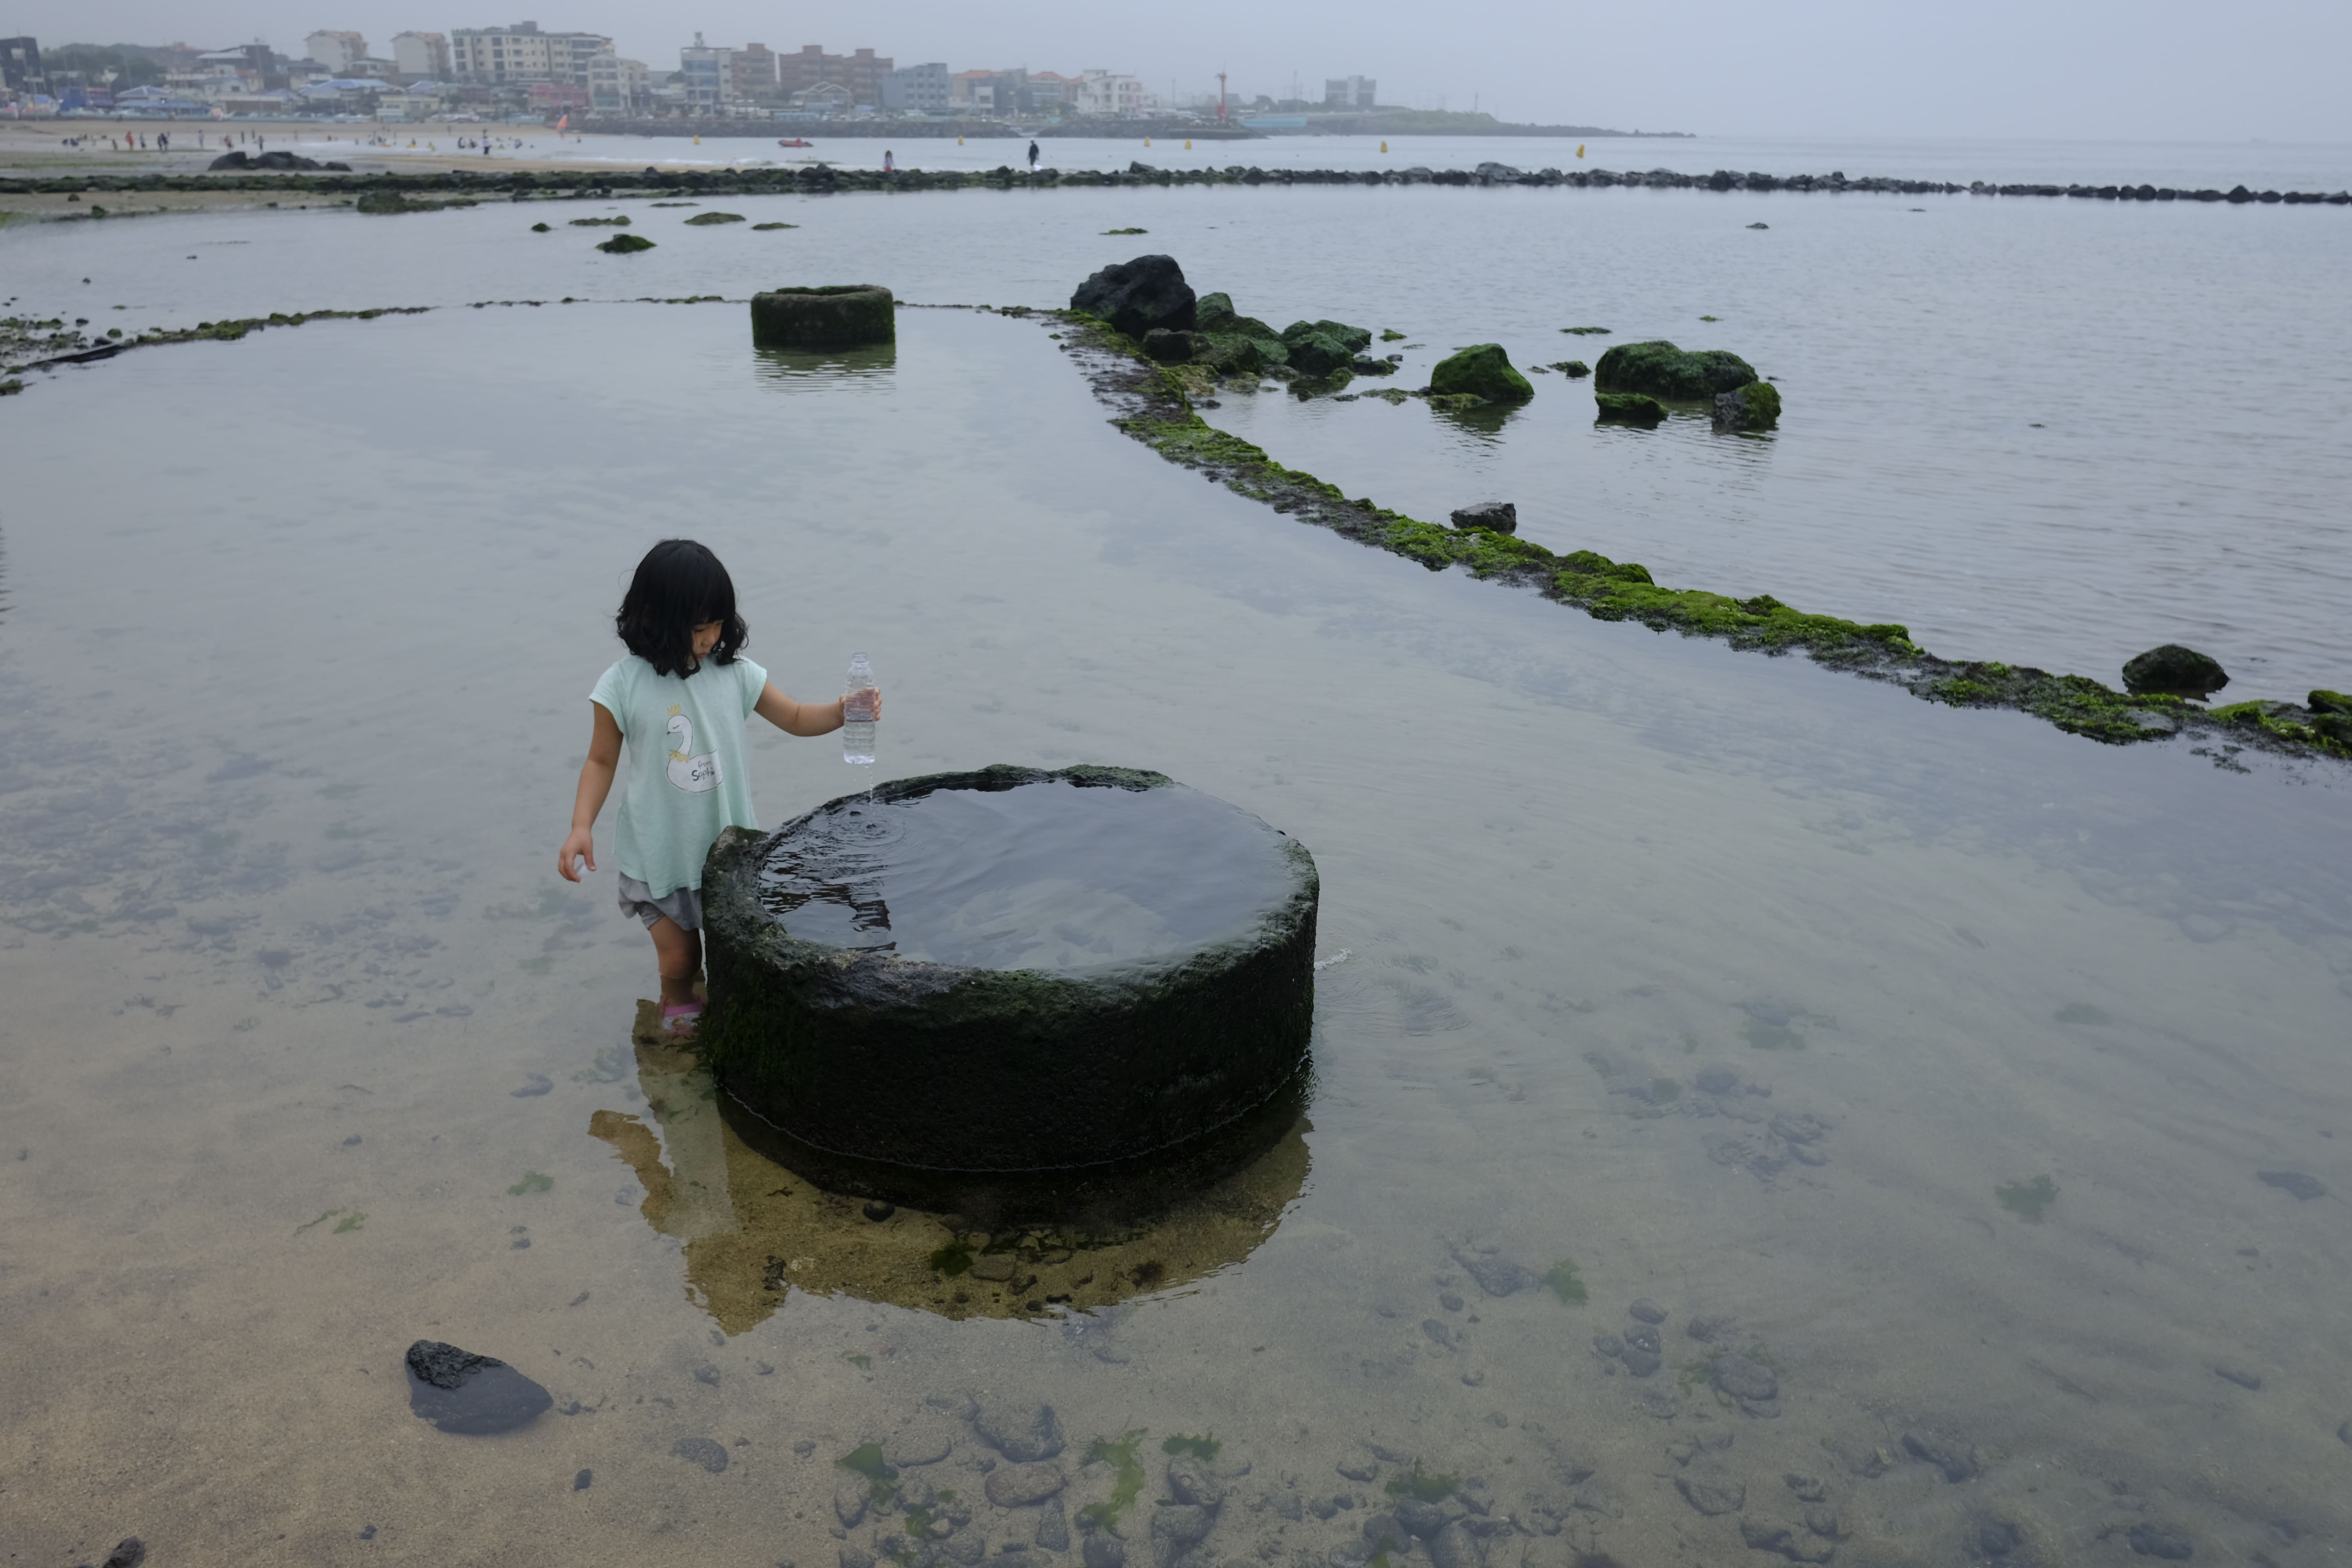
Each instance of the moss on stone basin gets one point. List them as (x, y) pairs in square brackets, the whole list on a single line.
[(823, 317), (1006, 974)]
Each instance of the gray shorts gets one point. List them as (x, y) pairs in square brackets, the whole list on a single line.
[(682, 908)]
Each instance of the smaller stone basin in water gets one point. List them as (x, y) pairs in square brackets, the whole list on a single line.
[(1012, 990)]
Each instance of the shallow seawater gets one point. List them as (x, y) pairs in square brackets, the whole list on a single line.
[(1046, 875), (1725, 986), (2051, 433)]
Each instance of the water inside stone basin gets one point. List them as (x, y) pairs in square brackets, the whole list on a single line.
[(1962, 1079), (1047, 875)]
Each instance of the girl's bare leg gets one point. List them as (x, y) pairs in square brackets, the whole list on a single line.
[(679, 955)]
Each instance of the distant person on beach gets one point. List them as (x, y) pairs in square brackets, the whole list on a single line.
[(888, 167), (680, 703), (1032, 157)]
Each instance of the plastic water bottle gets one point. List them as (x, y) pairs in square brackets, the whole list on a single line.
[(858, 718)]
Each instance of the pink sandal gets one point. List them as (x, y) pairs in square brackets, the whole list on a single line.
[(680, 1017)]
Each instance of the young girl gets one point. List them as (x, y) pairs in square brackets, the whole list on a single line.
[(680, 700)]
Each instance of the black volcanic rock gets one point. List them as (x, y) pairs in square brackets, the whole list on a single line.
[(460, 1392)]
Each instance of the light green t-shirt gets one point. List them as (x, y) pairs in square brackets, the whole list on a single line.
[(687, 778)]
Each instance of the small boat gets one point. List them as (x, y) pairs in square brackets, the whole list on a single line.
[(793, 142)]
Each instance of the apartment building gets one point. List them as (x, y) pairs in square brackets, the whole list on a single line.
[(490, 56), (1105, 94), (619, 88), (917, 89), (1348, 92), (421, 57), (702, 74), (862, 71), (336, 51), (750, 74)]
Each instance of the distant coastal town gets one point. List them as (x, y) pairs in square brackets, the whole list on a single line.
[(524, 74)]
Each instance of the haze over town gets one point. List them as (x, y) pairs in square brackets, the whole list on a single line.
[(2095, 69)]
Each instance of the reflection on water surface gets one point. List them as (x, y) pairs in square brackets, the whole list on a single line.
[(754, 1231)]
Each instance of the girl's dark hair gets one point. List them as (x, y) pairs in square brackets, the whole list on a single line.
[(679, 585)]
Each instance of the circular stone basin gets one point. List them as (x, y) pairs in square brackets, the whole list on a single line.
[(823, 317), (1007, 973)]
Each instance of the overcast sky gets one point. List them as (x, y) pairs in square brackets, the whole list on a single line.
[(2103, 69)]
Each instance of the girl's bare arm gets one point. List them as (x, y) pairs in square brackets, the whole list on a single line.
[(595, 783)]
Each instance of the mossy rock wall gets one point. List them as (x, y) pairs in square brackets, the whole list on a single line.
[(897, 1062), (823, 317)]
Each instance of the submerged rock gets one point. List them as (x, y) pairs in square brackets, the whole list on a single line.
[(1629, 408), (1482, 370), (625, 244), (1136, 295), (460, 1392), (2173, 670), (2302, 1184), (1494, 516), (1022, 1432), (2160, 1541), (1712, 1491), (1756, 407), (1662, 370), (704, 1451), (1496, 1274), (1957, 1463), (1018, 1485)]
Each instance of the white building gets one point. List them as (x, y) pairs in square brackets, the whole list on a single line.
[(488, 57), (619, 88), (1348, 92), (421, 56), (917, 89), (1104, 94), (702, 71), (336, 51)]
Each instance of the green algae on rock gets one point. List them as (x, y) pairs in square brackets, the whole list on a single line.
[(1156, 408), (704, 220), (1628, 408), (2175, 671), (1662, 370), (1482, 370), (621, 221), (625, 244), (825, 316), (1756, 407)]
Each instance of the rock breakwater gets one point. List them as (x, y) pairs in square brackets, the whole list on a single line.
[(823, 179)]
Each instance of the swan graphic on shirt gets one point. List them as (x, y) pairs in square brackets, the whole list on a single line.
[(687, 771)]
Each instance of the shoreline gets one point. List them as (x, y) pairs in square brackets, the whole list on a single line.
[(32, 163)]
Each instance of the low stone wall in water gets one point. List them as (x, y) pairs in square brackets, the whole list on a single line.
[(820, 179)]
